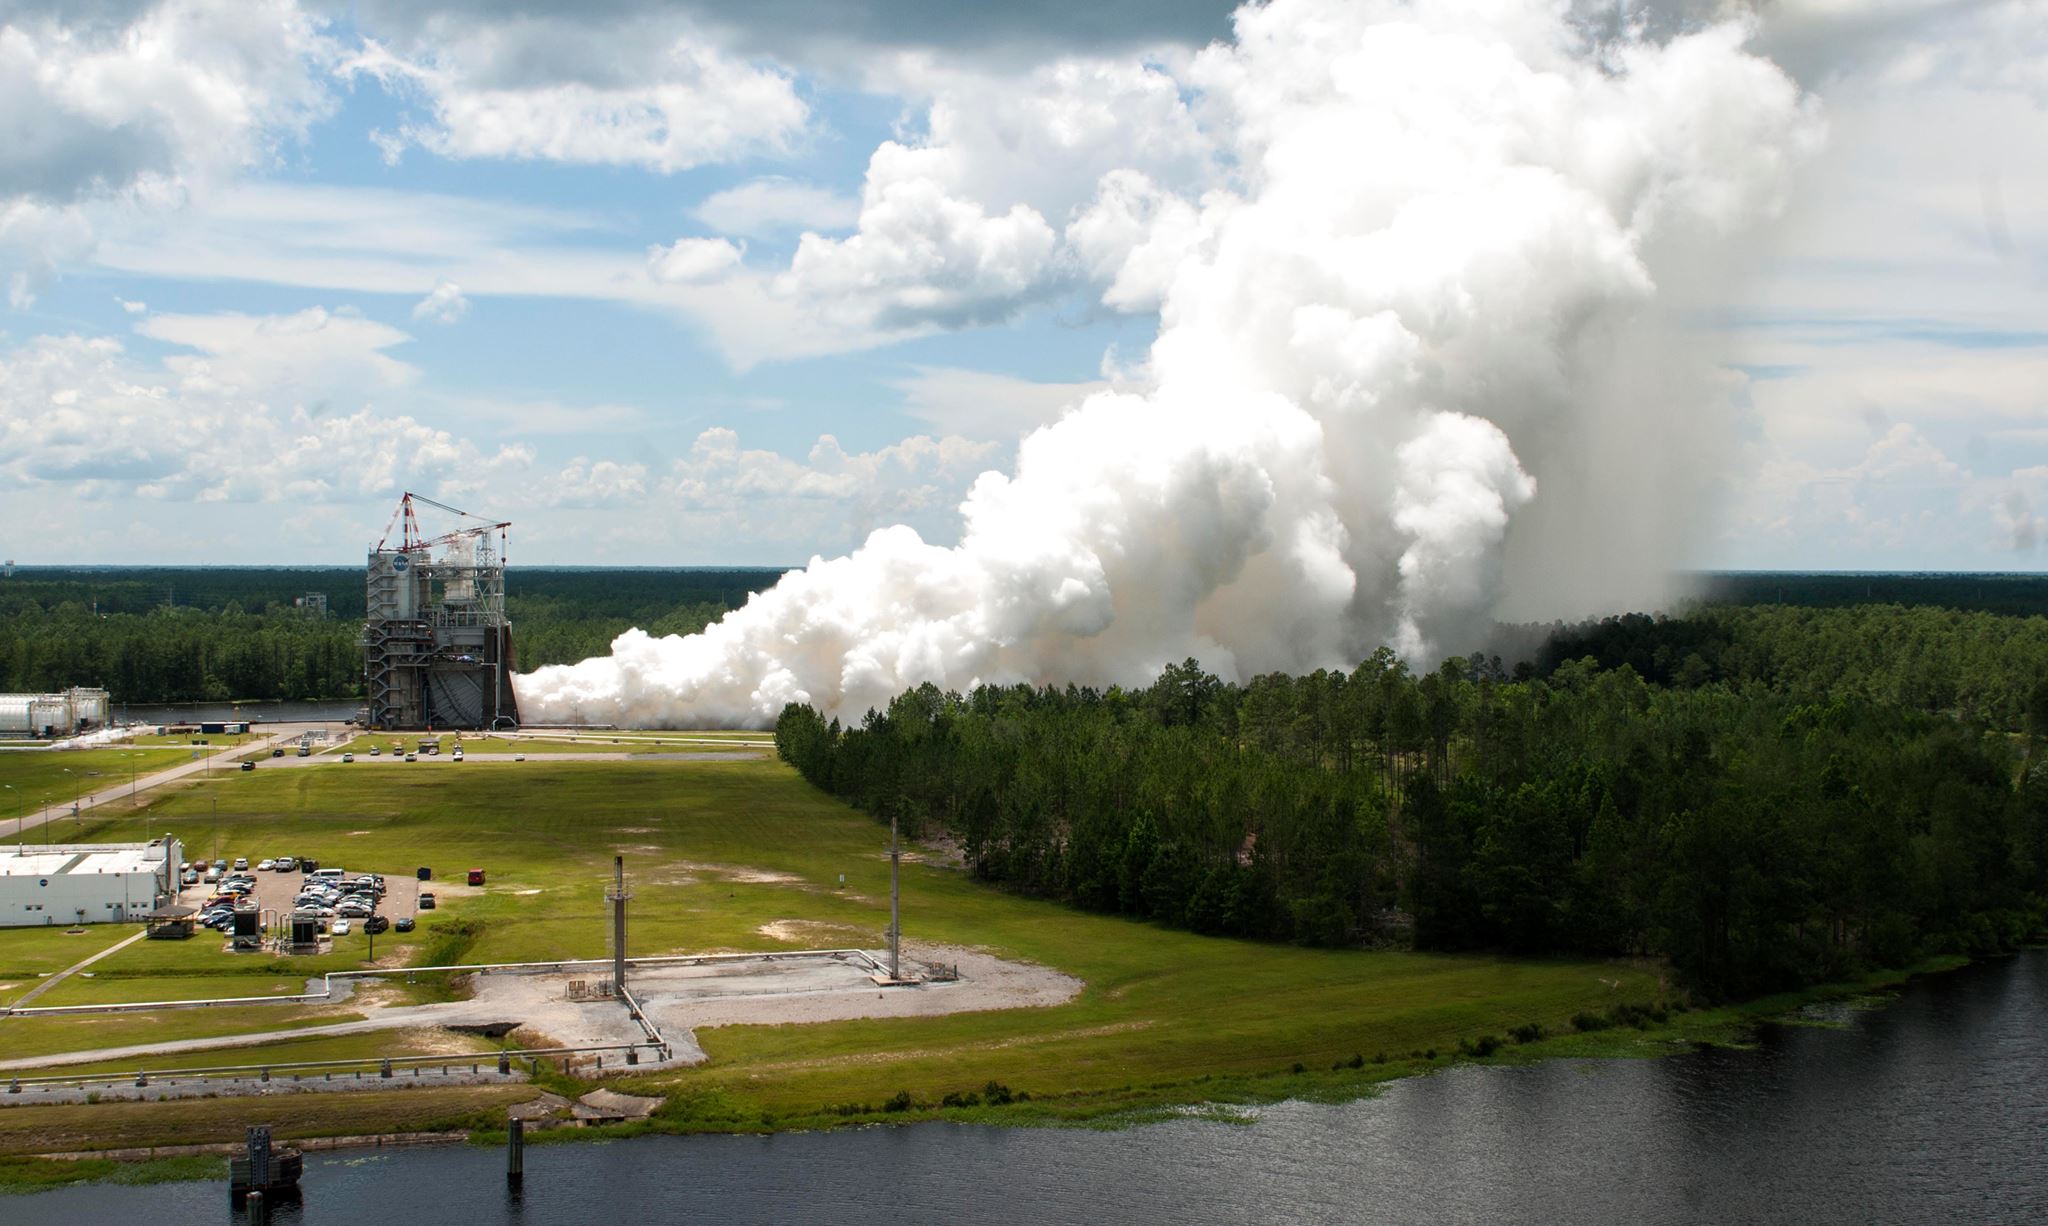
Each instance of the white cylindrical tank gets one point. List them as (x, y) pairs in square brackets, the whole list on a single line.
[(89, 706), (14, 714)]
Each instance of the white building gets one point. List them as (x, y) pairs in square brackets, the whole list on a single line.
[(86, 883), (78, 709)]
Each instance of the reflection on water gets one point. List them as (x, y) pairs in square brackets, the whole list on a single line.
[(1932, 1109)]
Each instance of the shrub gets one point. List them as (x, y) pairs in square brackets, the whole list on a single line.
[(899, 1101), (1358, 1061), (998, 1094), (1588, 1022), (1527, 1032)]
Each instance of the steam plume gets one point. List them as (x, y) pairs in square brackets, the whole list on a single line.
[(1421, 346)]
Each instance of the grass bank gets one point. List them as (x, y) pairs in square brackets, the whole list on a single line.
[(745, 856)]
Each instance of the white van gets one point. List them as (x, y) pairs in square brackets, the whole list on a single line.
[(326, 874)]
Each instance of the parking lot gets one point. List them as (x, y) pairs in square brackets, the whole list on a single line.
[(275, 891)]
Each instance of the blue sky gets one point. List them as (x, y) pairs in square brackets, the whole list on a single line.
[(270, 264)]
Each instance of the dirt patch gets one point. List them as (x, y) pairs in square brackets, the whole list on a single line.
[(436, 1042), (817, 934), (740, 873)]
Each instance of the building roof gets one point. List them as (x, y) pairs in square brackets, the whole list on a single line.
[(84, 859)]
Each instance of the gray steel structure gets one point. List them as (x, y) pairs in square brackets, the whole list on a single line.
[(437, 646)]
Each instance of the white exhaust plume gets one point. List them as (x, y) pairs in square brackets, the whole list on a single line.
[(1419, 346)]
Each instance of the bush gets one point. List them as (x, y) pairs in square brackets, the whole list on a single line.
[(1358, 1061), (899, 1101), (1527, 1032), (1299, 1067), (998, 1094), (1587, 1022)]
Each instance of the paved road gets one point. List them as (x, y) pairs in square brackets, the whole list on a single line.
[(289, 762), (210, 761)]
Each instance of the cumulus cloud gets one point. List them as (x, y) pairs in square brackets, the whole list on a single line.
[(1385, 377), (775, 205), (693, 261), (924, 256), (217, 428), (445, 305), (648, 92), (144, 105)]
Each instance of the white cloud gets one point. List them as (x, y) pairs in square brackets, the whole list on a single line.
[(1133, 238), (145, 110), (221, 427), (133, 308), (314, 355), (694, 261), (774, 205), (647, 93), (445, 305), (979, 404), (923, 257)]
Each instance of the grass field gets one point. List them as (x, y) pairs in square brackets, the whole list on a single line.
[(718, 851), (31, 779)]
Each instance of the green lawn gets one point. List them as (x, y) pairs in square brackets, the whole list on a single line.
[(44, 1036), (715, 851), (29, 779), (27, 954)]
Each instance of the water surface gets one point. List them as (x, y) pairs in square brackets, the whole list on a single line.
[(1933, 1109)]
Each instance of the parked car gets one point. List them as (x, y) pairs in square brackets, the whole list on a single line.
[(375, 924), (341, 927), (248, 766), (348, 757), (277, 752), (241, 863), (263, 866), (191, 877), (519, 757), (287, 865), (412, 757), (426, 900), (374, 751), (404, 924)]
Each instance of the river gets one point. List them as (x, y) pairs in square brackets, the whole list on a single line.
[(1933, 1108)]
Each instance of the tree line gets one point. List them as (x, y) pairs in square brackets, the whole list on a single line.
[(234, 634), (1754, 838)]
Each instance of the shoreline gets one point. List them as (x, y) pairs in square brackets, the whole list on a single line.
[(1214, 1097)]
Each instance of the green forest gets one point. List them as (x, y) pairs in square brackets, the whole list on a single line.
[(1766, 797), (221, 634)]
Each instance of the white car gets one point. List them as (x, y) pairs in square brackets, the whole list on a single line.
[(241, 864), (374, 751), (348, 757), (263, 866), (341, 928)]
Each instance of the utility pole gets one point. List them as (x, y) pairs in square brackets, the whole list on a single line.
[(617, 896), (895, 901)]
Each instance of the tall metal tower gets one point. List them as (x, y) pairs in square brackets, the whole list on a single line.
[(617, 897), (437, 646)]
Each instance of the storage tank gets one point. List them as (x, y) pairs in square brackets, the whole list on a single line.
[(14, 714), (89, 706), (50, 714)]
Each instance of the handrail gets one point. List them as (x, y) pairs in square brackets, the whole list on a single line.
[(142, 1076), (328, 979)]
